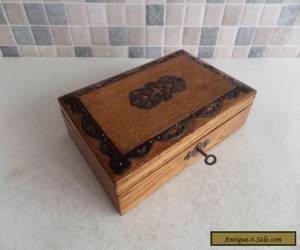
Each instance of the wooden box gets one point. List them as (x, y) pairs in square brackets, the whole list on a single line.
[(140, 128)]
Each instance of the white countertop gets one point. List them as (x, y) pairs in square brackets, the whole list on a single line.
[(49, 198)]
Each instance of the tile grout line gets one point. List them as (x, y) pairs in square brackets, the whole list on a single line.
[(273, 32), (182, 23), (200, 28), (164, 29), (30, 30), (83, 4), (237, 31), (157, 45), (69, 30), (108, 26), (154, 3), (259, 21), (88, 31), (233, 37), (168, 26), (108, 36), (126, 32), (47, 20), (218, 34), (275, 26), (253, 36), (239, 25)]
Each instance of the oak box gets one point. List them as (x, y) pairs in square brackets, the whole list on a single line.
[(140, 128)]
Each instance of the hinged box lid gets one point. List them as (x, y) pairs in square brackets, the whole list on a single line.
[(152, 104)]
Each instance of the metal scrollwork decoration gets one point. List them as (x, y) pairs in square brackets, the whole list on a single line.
[(212, 109), (153, 93), (147, 97), (172, 133)]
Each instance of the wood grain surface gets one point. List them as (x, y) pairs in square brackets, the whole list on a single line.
[(128, 126)]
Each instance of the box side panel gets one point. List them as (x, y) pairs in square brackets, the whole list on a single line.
[(92, 161), (152, 182)]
